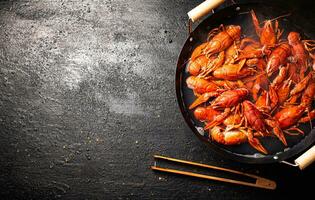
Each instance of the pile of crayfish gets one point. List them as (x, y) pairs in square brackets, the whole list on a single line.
[(252, 87)]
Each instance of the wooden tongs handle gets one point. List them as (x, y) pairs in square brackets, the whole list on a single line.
[(203, 9), (306, 158), (259, 183)]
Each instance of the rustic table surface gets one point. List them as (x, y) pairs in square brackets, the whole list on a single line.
[(88, 97)]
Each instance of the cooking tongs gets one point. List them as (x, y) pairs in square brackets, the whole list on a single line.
[(259, 183)]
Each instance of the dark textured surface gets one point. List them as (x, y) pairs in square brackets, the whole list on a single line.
[(87, 97)]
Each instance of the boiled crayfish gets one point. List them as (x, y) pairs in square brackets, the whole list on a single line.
[(223, 39), (247, 89)]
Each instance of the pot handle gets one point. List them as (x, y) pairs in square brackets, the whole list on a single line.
[(306, 158), (203, 9)]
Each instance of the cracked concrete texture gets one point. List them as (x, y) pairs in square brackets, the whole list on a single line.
[(88, 96)]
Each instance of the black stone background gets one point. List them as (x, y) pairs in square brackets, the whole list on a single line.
[(87, 98)]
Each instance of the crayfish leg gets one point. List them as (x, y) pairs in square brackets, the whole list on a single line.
[(293, 100), (309, 45), (299, 131), (310, 116), (246, 41)]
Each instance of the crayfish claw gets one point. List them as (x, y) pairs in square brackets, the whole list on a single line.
[(203, 98), (277, 131), (254, 142)]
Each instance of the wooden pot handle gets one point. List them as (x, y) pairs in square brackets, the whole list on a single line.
[(203, 9), (306, 158)]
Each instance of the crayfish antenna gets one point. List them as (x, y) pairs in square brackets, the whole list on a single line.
[(281, 16)]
